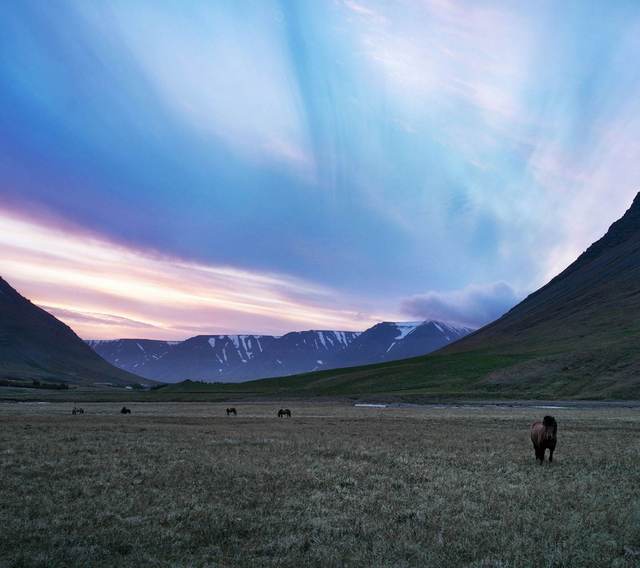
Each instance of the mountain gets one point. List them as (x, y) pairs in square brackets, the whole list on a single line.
[(226, 357), (131, 354), (233, 358), (301, 351), (208, 358), (35, 345), (390, 341), (576, 337)]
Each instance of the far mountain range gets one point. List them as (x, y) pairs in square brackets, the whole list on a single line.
[(236, 358)]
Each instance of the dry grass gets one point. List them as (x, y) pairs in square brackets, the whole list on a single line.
[(183, 485)]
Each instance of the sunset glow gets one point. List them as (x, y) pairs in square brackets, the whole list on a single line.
[(106, 290), (257, 166)]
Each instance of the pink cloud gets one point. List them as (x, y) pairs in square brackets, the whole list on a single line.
[(105, 290)]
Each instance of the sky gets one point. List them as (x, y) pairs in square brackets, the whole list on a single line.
[(181, 167)]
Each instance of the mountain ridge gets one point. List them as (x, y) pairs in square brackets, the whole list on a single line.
[(247, 356), (35, 345)]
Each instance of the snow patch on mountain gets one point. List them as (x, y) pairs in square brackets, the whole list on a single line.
[(405, 328)]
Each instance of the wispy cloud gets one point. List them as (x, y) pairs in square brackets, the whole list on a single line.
[(583, 170), (449, 53), (75, 318), (222, 72), (106, 290)]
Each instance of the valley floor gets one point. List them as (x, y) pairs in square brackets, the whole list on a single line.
[(176, 484)]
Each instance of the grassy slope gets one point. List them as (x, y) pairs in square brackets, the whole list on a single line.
[(577, 337)]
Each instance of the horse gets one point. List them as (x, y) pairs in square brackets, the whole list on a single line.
[(284, 412), (77, 410), (232, 410), (125, 410), (544, 435)]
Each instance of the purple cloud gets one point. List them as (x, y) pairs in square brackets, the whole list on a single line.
[(475, 305)]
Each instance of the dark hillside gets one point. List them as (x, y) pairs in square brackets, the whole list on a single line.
[(36, 345)]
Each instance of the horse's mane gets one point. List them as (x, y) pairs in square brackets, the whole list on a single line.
[(550, 422)]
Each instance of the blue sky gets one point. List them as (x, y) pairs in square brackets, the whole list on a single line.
[(297, 164)]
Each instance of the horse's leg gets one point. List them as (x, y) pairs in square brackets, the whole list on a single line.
[(551, 449)]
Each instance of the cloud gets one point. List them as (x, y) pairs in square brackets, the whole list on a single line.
[(71, 316), (104, 290), (475, 305), (222, 72), (384, 148), (587, 189), (444, 51)]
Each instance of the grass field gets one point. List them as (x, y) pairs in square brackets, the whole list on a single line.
[(183, 485)]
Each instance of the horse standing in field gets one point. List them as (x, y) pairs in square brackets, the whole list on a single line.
[(232, 411), (77, 410), (544, 435), (284, 412), (125, 410)]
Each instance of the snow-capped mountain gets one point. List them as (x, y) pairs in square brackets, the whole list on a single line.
[(388, 341), (131, 354), (302, 351), (211, 358), (226, 357), (234, 358)]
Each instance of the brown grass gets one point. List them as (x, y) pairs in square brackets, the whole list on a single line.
[(184, 485)]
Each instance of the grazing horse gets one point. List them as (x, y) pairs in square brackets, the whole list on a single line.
[(232, 411), (125, 410), (77, 410), (284, 412), (544, 435)]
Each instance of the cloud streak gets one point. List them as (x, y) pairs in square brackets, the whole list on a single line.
[(223, 73), (107, 290)]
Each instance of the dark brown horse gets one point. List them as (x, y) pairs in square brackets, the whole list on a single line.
[(232, 411), (125, 410), (284, 412), (544, 435)]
